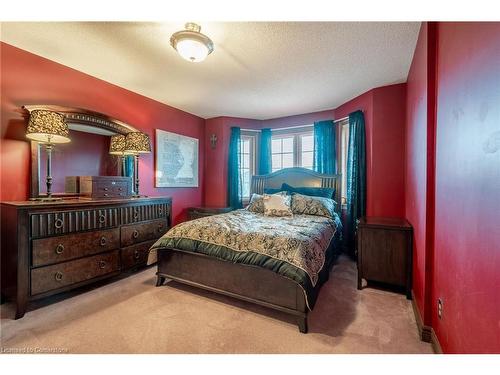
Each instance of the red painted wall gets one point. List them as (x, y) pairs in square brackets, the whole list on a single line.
[(384, 109), (415, 172), (459, 261), (30, 79), (216, 159), (467, 232)]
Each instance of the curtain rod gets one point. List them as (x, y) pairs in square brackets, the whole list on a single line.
[(298, 126)]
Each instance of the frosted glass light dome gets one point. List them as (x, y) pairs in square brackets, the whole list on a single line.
[(192, 50), (191, 44)]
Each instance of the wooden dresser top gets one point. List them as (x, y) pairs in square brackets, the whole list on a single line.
[(80, 201)]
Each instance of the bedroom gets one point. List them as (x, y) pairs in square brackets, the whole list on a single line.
[(306, 187)]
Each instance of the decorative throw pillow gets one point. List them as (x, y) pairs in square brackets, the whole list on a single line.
[(277, 205), (256, 204), (318, 206), (309, 191)]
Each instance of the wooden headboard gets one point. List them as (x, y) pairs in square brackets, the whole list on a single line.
[(297, 177)]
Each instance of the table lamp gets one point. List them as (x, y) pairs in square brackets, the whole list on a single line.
[(137, 143), (48, 128), (117, 147)]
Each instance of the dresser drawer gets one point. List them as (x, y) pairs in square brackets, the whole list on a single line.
[(48, 278), (70, 246), (136, 233), (54, 223), (135, 214), (136, 255)]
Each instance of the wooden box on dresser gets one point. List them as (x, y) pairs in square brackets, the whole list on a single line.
[(51, 247), (385, 252)]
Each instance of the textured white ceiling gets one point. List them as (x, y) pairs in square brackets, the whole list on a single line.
[(258, 70)]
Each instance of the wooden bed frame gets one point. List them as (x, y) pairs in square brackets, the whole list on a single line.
[(245, 282)]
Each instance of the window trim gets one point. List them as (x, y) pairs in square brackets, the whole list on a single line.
[(252, 165)]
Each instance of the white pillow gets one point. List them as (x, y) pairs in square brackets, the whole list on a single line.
[(277, 205)]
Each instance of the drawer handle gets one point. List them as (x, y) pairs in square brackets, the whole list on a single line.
[(135, 234), (103, 241), (102, 218), (160, 211), (120, 189), (160, 227), (59, 248), (105, 194), (136, 214), (59, 223), (102, 264), (137, 255), (58, 276), (105, 189)]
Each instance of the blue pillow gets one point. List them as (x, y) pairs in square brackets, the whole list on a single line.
[(272, 190), (310, 191)]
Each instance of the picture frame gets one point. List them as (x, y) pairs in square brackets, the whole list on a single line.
[(176, 160)]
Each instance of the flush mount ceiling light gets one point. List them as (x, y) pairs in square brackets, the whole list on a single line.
[(191, 44)]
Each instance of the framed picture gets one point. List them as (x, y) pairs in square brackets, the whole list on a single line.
[(176, 160)]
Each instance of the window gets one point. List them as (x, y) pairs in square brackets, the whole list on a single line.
[(306, 147), (344, 146), (247, 164), (292, 150), (282, 150)]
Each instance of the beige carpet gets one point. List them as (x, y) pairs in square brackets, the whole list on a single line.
[(131, 315)]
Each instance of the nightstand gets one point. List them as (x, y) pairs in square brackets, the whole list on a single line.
[(198, 212), (385, 252)]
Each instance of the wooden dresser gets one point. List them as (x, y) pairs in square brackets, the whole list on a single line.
[(385, 252), (51, 247)]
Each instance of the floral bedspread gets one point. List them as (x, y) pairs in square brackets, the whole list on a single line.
[(300, 240)]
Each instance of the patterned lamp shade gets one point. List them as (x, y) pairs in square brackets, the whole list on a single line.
[(137, 143), (117, 145), (47, 127)]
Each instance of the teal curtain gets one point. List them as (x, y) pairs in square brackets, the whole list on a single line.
[(234, 190), (325, 147), (356, 176), (265, 151)]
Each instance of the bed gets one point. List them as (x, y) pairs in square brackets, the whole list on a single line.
[(280, 263)]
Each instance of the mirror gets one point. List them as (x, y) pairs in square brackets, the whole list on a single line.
[(86, 155)]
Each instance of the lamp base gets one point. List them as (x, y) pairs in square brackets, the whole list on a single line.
[(46, 199)]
